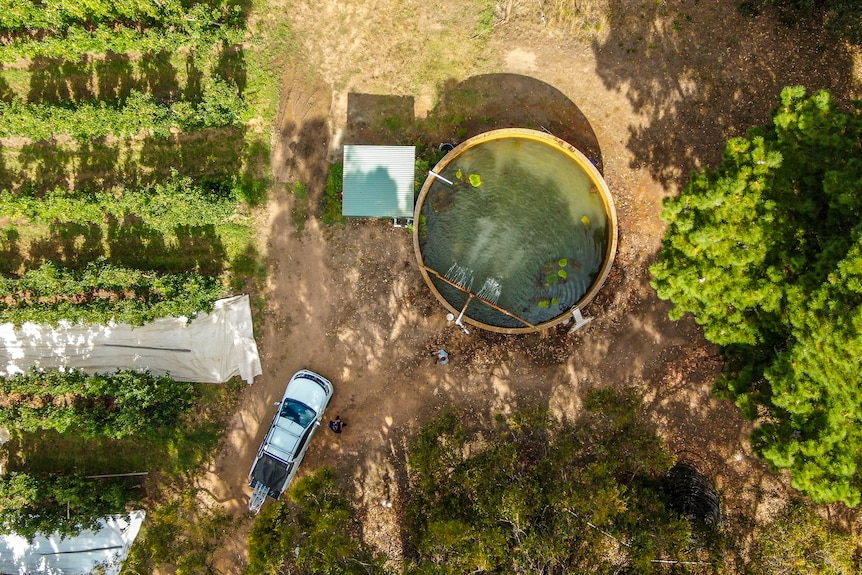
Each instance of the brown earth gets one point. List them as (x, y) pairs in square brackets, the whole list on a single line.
[(652, 94)]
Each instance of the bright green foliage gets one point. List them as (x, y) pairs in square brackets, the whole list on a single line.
[(330, 201), (66, 504), (140, 114), (801, 543), (102, 292), (178, 201), (534, 495), (182, 533), (766, 252), (315, 534), (200, 26), (112, 404), (816, 389), (58, 15)]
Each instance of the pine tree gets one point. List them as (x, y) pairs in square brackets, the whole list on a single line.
[(766, 252)]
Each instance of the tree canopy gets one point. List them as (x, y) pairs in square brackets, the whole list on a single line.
[(118, 404), (799, 541), (536, 495), (67, 504), (314, 533), (766, 252), (532, 494)]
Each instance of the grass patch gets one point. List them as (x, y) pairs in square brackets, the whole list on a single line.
[(299, 211), (248, 269), (330, 202), (270, 48), (577, 16), (487, 18)]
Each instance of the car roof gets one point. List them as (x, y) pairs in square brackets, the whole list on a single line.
[(309, 388), (284, 438)]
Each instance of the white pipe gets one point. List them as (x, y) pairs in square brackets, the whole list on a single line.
[(461, 325), (439, 177)]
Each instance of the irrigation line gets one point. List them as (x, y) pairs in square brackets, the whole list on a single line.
[(599, 529), (138, 474), (179, 349), (481, 299)]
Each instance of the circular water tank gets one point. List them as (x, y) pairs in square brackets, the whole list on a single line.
[(514, 229)]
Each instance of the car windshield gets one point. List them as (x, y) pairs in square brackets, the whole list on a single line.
[(297, 412)]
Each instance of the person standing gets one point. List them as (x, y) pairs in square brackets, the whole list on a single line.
[(336, 425)]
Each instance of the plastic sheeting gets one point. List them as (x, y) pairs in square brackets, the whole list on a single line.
[(107, 547), (211, 348)]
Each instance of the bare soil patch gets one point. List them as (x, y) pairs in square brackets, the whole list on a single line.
[(653, 94)]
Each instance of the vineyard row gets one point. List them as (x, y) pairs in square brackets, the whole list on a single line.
[(141, 114), (178, 201), (102, 292)]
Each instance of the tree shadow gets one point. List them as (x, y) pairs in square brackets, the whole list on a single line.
[(468, 108), (133, 243), (59, 80), (94, 162), (6, 174), (6, 93), (255, 178), (11, 257), (158, 76), (44, 166), (212, 152), (70, 243), (493, 101), (701, 73), (129, 242), (304, 150), (246, 268), (114, 76), (231, 66), (100, 164), (193, 90), (377, 119)]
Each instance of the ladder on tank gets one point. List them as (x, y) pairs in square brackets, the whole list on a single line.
[(258, 496)]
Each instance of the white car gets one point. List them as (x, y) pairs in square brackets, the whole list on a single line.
[(299, 414)]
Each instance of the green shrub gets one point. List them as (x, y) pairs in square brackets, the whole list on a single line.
[(102, 292), (330, 202), (183, 533), (313, 533), (67, 504), (765, 251), (799, 541), (112, 404), (140, 114), (530, 494), (177, 201)]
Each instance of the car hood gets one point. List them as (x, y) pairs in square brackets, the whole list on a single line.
[(308, 392)]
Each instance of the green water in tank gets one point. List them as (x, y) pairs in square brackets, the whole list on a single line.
[(522, 226)]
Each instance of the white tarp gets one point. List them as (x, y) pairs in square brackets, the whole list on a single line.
[(212, 348), (107, 547)]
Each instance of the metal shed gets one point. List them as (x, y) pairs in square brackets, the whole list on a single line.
[(378, 181)]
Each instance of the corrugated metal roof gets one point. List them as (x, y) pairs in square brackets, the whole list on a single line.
[(378, 181)]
